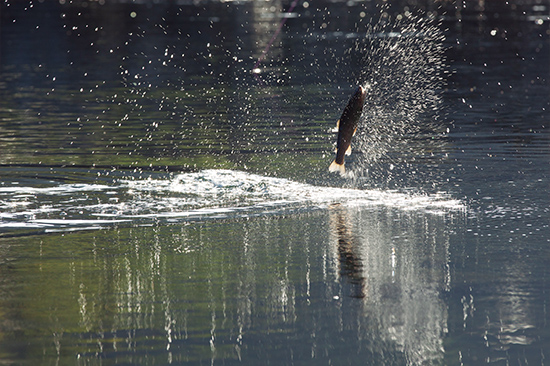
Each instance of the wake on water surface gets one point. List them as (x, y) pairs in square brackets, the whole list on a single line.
[(403, 75), (204, 195)]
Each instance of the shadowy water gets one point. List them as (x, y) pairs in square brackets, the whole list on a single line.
[(162, 202)]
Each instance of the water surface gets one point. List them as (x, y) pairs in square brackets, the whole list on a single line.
[(163, 203)]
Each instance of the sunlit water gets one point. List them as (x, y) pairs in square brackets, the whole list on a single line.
[(190, 196), (161, 203)]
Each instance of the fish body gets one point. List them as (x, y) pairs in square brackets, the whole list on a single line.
[(347, 125)]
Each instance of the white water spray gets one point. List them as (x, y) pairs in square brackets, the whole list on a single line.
[(404, 70)]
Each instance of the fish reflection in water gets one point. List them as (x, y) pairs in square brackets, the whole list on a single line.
[(351, 266), (395, 265)]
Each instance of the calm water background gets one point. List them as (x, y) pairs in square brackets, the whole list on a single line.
[(161, 203)]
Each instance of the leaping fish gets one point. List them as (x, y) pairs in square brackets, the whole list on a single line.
[(347, 125)]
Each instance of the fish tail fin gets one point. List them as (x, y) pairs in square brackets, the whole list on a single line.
[(335, 167)]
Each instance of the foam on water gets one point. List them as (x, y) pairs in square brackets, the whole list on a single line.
[(208, 194)]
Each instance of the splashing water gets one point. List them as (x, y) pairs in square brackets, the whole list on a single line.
[(208, 194), (404, 68)]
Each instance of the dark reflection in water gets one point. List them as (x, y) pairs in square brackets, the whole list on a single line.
[(351, 265)]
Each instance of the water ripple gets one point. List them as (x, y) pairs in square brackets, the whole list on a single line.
[(208, 194)]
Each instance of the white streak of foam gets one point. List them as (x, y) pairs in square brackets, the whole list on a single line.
[(238, 189), (63, 189), (205, 194)]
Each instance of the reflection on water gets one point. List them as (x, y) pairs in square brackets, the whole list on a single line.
[(159, 205), (351, 265), (347, 283), (401, 273)]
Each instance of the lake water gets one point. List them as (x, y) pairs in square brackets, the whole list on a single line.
[(165, 195)]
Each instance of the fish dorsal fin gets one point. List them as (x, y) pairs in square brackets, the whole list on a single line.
[(348, 151)]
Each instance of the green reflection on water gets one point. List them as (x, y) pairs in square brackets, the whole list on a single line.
[(336, 285), (144, 290), (167, 127)]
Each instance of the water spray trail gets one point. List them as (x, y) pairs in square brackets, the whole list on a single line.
[(256, 69), (403, 73)]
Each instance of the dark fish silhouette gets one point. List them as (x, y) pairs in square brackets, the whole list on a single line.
[(351, 264), (347, 125)]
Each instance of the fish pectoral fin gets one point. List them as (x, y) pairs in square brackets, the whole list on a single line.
[(348, 151), (354, 131), (335, 129)]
